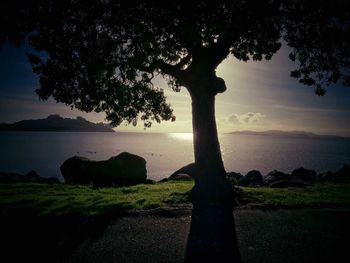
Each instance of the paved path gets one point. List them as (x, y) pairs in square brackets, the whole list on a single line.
[(293, 235)]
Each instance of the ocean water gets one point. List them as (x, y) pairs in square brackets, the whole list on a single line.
[(44, 152)]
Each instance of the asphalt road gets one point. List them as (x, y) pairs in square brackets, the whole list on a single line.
[(286, 235)]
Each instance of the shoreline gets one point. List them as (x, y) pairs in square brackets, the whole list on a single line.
[(170, 197)]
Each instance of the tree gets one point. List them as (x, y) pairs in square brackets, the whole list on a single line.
[(102, 56)]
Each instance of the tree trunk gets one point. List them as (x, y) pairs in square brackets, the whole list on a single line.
[(211, 186), (212, 235)]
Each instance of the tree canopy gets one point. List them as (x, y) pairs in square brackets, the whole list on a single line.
[(102, 55)]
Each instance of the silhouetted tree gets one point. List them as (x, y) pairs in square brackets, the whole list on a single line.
[(102, 56)]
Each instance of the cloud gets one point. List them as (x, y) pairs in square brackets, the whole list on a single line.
[(305, 109), (233, 118), (245, 118)]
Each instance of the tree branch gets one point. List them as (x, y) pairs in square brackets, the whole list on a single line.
[(168, 69), (184, 61), (219, 51)]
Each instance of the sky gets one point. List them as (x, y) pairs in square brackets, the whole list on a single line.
[(260, 96)]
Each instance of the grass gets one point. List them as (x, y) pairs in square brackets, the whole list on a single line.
[(61, 199), (318, 195)]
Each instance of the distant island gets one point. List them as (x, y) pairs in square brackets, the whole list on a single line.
[(56, 123), (290, 134)]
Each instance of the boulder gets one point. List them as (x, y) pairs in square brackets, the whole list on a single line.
[(181, 177), (343, 174), (234, 177), (74, 170), (148, 181), (327, 176), (10, 177), (189, 169), (123, 169), (30, 177), (287, 184), (131, 166), (275, 176), (304, 175), (252, 178), (163, 180)]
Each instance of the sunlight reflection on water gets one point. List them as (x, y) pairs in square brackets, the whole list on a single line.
[(44, 152), (185, 136)]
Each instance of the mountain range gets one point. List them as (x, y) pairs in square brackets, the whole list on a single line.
[(291, 134), (57, 123)]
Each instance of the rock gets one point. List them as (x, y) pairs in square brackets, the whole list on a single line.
[(184, 177), (148, 181), (163, 180), (327, 176), (123, 169), (132, 167), (275, 176), (304, 175), (343, 174), (31, 177), (10, 177), (287, 184), (50, 180), (32, 174), (189, 169), (252, 178), (234, 177), (74, 170)]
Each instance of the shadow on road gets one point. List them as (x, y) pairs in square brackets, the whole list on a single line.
[(212, 236)]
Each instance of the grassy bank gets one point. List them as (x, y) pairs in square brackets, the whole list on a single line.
[(317, 195), (60, 199)]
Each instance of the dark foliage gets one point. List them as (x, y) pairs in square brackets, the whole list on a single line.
[(102, 55), (318, 32)]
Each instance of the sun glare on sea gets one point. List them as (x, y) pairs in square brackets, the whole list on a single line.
[(183, 136)]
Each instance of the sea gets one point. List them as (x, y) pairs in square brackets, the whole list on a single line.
[(45, 152)]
